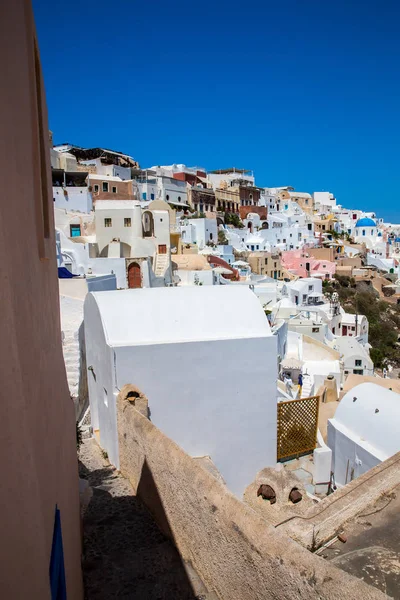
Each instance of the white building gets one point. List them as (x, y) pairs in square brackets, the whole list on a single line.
[(364, 431), (354, 326), (178, 347), (324, 202), (303, 292), (128, 241), (199, 232), (355, 357)]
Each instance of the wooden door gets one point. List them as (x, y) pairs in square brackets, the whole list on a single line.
[(134, 276)]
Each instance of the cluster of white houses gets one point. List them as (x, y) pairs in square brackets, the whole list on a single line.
[(260, 328)]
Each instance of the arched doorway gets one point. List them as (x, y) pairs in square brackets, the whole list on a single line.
[(134, 276)]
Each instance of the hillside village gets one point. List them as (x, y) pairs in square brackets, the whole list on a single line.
[(195, 290), (200, 389)]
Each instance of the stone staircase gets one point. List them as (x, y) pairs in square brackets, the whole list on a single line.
[(72, 361), (161, 265), (308, 386)]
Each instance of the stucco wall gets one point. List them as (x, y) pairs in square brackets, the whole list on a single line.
[(77, 198), (37, 437), (234, 550), (207, 402)]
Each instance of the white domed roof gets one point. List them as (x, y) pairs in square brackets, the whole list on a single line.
[(374, 416)]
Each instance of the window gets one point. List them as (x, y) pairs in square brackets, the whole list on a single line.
[(358, 363), (167, 197), (266, 261), (107, 222), (284, 241), (363, 231), (179, 198), (310, 288), (151, 196), (309, 226), (290, 235), (274, 265), (211, 236), (144, 195), (105, 186), (358, 371), (127, 222), (304, 298), (315, 329), (75, 230), (306, 200), (96, 188), (114, 189)]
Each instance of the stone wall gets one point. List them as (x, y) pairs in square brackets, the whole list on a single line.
[(234, 550), (326, 519)]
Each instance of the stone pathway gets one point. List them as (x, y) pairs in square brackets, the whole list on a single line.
[(125, 554)]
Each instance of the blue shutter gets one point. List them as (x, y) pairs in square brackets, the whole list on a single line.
[(57, 570)]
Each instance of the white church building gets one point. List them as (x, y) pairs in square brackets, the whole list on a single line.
[(210, 377)]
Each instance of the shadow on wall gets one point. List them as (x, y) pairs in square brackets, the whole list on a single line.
[(125, 553)]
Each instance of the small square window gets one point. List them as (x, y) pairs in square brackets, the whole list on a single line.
[(127, 222), (114, 189), (358, 363), (107, 222), (105, 186)]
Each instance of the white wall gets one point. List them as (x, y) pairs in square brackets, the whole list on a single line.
[(191, 277), (351, 456), (231, 417), (78, 199), (99, 360)]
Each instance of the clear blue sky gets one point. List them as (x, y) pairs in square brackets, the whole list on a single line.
[(304, 92)]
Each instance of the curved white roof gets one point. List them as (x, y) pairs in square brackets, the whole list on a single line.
[(379, 429), (178, 314)]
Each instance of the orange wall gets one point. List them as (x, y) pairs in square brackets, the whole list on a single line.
[(37, 424)]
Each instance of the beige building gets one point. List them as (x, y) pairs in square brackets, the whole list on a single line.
[(266, 263), (303, 199), (40, 499)]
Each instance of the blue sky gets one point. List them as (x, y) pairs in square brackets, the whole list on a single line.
[(304, 92)]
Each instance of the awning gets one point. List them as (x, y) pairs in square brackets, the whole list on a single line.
[(176, 203)]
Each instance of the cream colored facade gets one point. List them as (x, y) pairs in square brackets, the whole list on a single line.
[(37, 439), (266, 263)]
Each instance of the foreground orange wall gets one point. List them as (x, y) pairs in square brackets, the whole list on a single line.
[(37, 428)]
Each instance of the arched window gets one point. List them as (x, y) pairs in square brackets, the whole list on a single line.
[(179, 198), (167, 197), (148, 224)]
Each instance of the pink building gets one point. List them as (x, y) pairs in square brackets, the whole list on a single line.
[(301, 264), (40, 551)]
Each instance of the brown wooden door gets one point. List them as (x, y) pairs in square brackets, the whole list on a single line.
[(134, 276), (162, 249)]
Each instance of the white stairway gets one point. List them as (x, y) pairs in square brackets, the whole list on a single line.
[(308, 386), (72, 361), (161, 265)]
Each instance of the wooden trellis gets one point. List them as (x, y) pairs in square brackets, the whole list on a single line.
[(297, 426)]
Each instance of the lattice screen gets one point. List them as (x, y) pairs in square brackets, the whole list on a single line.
[(297, 426)]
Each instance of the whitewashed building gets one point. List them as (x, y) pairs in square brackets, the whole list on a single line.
[(364, 431), (210, 377)]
